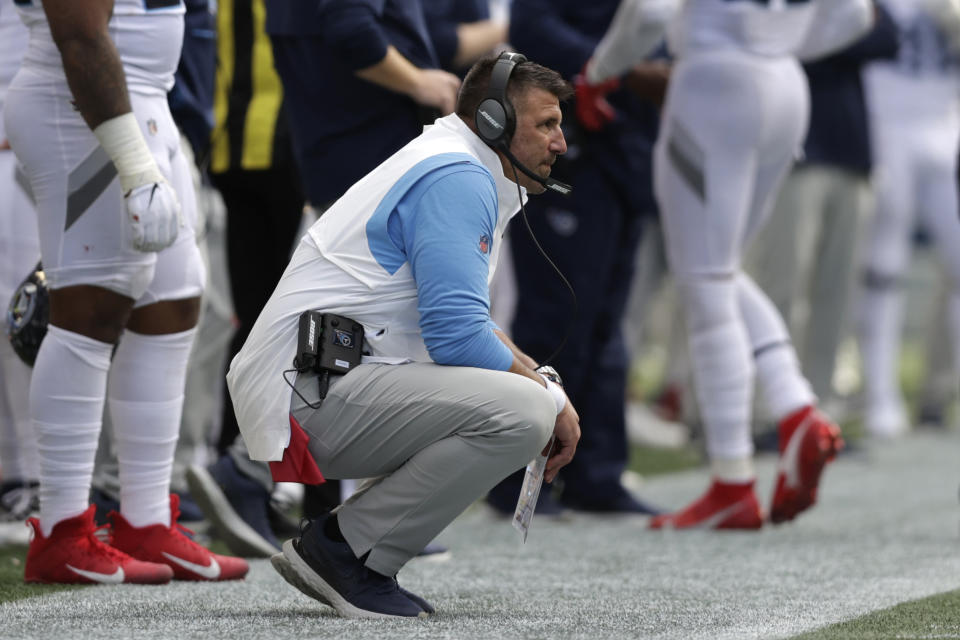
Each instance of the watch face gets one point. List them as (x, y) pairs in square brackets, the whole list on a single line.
[(550, 374)]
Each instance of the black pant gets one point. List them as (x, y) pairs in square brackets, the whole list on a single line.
[(264, 209), (592, 237)]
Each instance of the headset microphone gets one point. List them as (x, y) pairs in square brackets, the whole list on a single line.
[(554, 185)]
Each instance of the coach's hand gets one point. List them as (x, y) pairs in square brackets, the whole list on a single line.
[(566, 435), (154, 214), (436, 88)]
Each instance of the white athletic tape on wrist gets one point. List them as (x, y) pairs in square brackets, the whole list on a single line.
[(559, 396), (123, 141)]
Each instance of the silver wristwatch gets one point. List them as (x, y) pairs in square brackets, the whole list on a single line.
[(550, 374)]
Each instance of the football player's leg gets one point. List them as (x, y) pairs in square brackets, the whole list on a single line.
[(146, 388), (886, 255), (778, 371), (783, 387), (704, 181), (149, 370), (19, 253), (94, 275), (833, 274), (939, 209)]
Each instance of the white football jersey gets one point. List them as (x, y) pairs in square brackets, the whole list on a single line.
[(120, 7), (148, 35), (923, 82), (924, 46), (806, 29), (764, 27)]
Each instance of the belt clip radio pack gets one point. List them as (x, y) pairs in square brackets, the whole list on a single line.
[(328, 343)]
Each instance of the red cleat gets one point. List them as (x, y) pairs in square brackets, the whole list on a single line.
[(724, 506), (808, 441), (169, 546), (73, 554)]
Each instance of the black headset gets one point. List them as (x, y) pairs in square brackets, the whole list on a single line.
[(496, 120)]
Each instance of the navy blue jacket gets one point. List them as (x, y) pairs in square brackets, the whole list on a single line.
[(562, 34), (443, 17), (343, 126), (191, 99), (839, 130)]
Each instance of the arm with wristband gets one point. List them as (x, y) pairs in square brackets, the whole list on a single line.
[(95, 75), (566, 431)]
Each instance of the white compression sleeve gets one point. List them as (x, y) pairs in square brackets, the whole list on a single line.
[(637, 28), (66, 404), (835, 25), (145, 394)]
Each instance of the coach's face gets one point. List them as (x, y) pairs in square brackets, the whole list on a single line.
[(538, 139)]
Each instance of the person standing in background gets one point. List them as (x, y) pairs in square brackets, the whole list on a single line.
[(915, 125), (19, 253), (592, 236)]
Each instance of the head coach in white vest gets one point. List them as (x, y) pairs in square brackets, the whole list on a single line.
[(376, 357)]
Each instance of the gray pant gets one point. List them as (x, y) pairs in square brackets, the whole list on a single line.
[(805, 259), (436, 438)]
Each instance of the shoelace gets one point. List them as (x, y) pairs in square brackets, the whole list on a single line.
[(384, 585), (101, 542), (179, 528)]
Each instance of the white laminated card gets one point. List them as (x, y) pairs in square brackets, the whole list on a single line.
[(529, 492)]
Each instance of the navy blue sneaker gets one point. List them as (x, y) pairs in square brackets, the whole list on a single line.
[(612, 503), (503, 499), (417, 600), (285, 569), (190, 511), (237, 507), (104, 503), (329, 572)]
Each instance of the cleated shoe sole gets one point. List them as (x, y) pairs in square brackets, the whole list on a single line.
[(813, 444)]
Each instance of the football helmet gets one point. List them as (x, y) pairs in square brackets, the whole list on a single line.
[(28, 315)]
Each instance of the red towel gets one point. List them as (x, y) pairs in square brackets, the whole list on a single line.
[(297, 464)]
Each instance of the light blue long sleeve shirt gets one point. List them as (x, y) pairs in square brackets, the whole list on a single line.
[(444, 227)]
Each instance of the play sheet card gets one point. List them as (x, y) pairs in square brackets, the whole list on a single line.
[(529, 492)]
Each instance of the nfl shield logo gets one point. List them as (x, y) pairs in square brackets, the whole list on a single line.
[(484, 244), (152, 126)]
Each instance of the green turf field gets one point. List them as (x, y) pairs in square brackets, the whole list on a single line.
[(934, 617)]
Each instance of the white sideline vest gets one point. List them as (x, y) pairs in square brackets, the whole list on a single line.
[(335, 271)]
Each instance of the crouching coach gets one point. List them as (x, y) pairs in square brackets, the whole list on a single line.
[(376, 357)]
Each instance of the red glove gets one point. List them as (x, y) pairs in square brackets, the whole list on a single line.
[(592, 109)]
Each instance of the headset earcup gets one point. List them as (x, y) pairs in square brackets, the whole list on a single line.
[(492, 121)]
